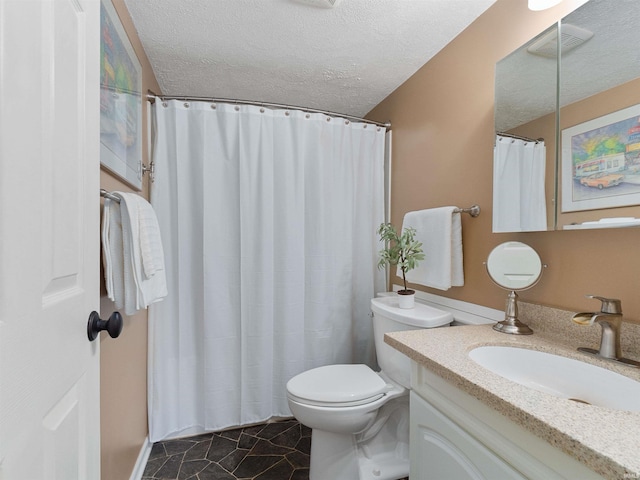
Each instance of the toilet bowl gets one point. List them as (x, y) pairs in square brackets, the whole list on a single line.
[(339, 398), (360, 418)]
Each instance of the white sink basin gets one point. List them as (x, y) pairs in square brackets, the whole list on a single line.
[(560, 376)]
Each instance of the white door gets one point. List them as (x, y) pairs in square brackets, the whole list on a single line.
[(49, 239)]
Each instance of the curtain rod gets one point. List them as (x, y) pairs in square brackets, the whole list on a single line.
[(518, 137), (151, 97)]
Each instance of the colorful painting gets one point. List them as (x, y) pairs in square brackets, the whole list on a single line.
[(601, 162), (120, 100)]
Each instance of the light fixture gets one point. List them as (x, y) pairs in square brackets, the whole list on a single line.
[(542, 4)]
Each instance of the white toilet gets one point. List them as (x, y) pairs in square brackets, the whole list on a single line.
[(360, 418)]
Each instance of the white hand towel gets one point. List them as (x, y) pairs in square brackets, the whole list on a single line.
[(150, 241), (106, 248), (132, 253), (112, 252), (140, 225), (440, 231)]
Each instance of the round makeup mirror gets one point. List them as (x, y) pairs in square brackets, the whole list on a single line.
[(514, 266)]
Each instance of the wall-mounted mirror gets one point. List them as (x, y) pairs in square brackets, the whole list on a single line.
[(599, 98), (598, 156), (524, 156)]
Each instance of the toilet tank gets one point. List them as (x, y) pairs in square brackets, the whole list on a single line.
[(389, 317)]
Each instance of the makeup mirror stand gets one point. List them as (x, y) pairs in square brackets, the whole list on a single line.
[(513, 266), (511, 324)]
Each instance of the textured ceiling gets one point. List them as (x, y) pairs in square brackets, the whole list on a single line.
[(344, 59)]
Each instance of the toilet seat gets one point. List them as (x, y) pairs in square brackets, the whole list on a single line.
[(337, 386)]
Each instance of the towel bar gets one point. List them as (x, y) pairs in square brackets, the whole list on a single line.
[(473, 210), (109, 195)]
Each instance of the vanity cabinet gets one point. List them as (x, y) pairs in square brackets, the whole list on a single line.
[(454, 435), (441, 449)]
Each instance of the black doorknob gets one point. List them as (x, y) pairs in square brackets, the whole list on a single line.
[(96, 325)]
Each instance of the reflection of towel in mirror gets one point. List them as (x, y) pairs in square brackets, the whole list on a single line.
[(132, 253), (440, 231)]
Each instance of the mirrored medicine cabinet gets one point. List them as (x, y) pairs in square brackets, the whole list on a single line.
[(578, 95)]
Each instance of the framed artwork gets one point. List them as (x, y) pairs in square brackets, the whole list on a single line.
[(120, 100), (601, 162)]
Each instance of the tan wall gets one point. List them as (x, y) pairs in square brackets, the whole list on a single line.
[(123, 361), (443, 131)]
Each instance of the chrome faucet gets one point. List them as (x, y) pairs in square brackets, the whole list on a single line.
[(610, 319)]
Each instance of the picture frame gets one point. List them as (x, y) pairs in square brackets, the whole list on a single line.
[(600, 162), (120, 100)]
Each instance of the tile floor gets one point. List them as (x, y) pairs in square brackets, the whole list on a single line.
[(273, 451)]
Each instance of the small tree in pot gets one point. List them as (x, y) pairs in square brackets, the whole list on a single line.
[(403, 251)]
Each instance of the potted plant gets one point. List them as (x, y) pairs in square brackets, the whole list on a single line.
[(403, 251)]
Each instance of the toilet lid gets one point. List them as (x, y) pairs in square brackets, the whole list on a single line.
[(338, 384)]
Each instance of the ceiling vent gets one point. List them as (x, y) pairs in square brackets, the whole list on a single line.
[(572, 37)]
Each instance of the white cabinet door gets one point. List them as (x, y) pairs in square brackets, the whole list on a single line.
[(49, 239), (440, 449)]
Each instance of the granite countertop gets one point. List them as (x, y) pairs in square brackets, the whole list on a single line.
[(607, 441)]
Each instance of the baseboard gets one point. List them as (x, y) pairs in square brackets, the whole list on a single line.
[(141, 462)]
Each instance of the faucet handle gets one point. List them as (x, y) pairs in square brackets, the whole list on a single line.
[(609, 305)]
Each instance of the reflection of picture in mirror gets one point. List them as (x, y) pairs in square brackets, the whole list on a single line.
[(600, 161)]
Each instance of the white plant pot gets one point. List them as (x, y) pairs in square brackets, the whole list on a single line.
[(406, 300)]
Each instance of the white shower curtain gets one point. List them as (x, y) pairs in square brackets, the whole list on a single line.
[(268, 220), (519, 201)]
